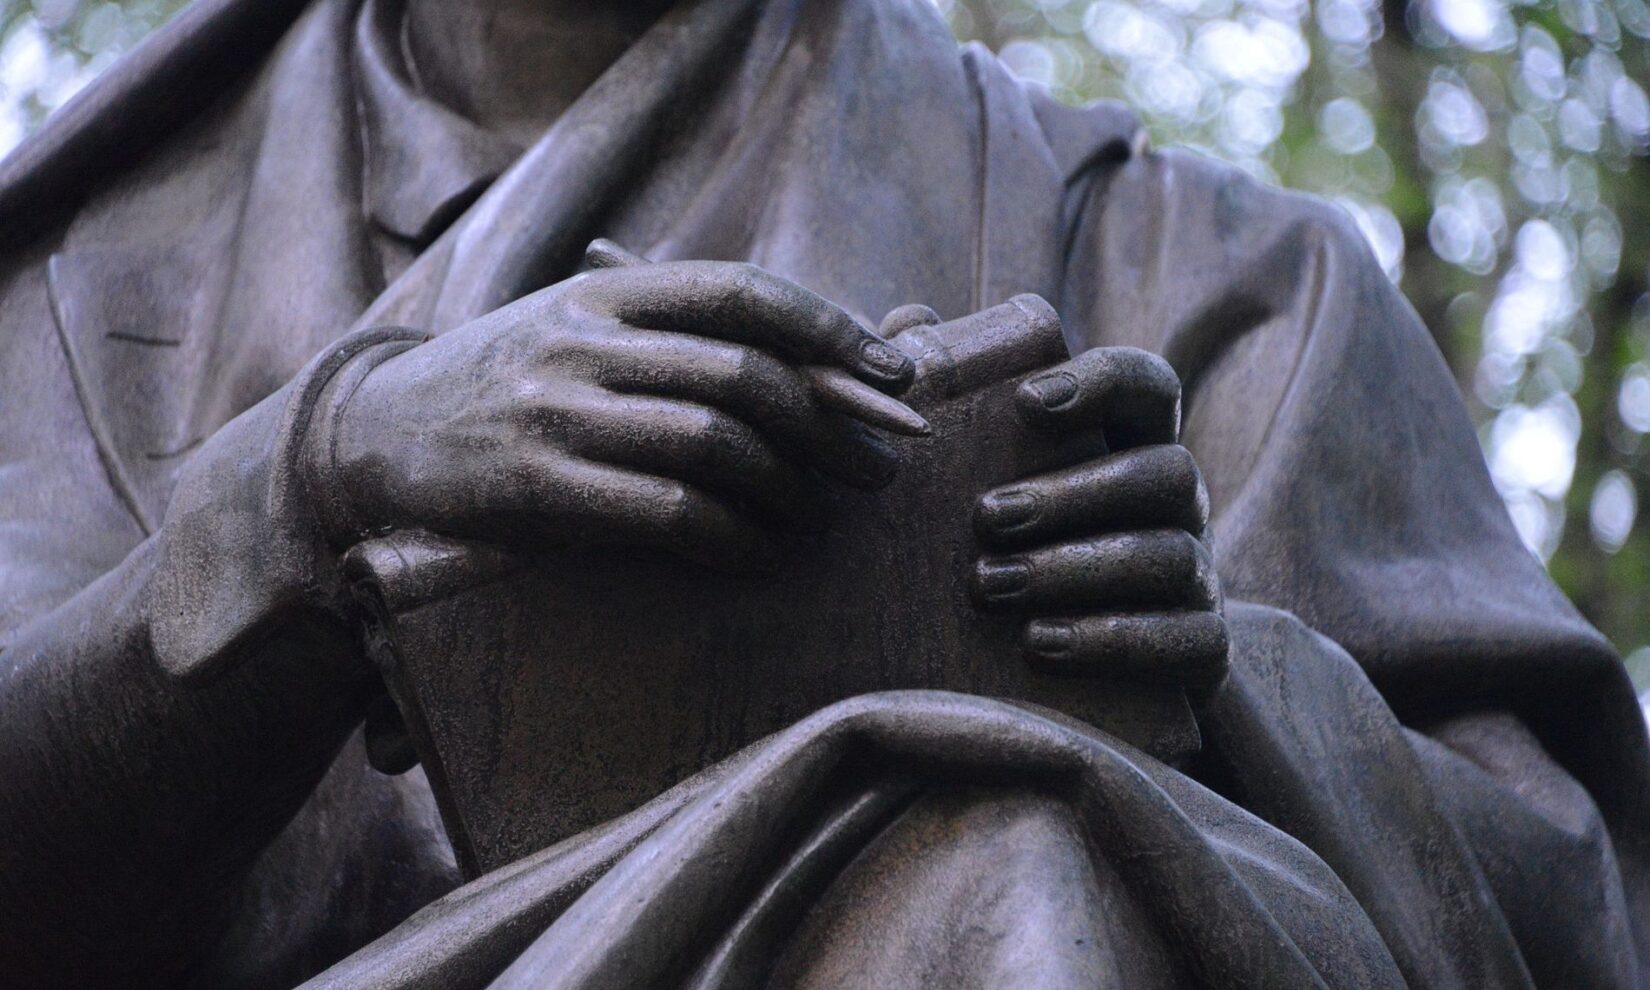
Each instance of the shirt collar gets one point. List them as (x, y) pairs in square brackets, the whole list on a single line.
[(423, 164)]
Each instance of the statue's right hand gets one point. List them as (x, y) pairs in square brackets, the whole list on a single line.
[(659, 405)]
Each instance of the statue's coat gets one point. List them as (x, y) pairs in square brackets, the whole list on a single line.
[(1426, 769)]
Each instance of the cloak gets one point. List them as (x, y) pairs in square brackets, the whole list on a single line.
[(1425, 769)]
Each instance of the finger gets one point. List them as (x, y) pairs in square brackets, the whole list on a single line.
[(903, 318), (1143, 488), (603, 253), (753, 386), (682, 519), (561, 501), (700, 445), (833, 387), (1159, 568), (742, 303), (1131, 394), (850, 396), (1185, 648)]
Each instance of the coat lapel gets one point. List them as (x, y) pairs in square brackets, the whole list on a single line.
[(130, 320), (195, 287)]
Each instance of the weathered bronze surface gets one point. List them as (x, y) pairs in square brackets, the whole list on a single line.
[(523, 679), (395, 595)]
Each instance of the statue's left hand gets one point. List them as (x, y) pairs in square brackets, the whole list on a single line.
[(1107, 561)]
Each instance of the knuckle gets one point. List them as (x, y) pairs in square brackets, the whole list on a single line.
[(528, 401), (745, 365), (1087, 560), (1183, 483), (1151, 370), (1166, 471), (1127, 374), (722, 366), (757, 374), (1187, 547), (1206, 579), (1180, 558), (523, 393), (1162, 374), (508, 344), (1213, 643), (1093, 361), (1175, 546), (747, 273), (582, 298), (724, 438), (1207, 627), (1113, 481), (704, 427), (748, 284), (1203, 559), (1180, 467), (677, 505), (523, 482)]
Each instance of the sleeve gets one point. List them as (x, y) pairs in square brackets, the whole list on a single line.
[(241, 545), (245, 541), (120, 854), (1347, 484)]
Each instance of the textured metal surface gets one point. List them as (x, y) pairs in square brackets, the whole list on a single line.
[(571, 687)]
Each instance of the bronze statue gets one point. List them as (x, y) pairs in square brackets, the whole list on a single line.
[(544, 493)]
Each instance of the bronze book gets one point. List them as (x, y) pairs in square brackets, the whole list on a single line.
[(546, 695)]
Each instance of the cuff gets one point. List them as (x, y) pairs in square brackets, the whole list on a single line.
[(245, 542)]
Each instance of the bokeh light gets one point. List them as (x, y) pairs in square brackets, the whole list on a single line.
[(1493, 154)]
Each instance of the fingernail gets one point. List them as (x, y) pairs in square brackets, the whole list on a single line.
[(1050, 638), (1053, 390), (1001, 579), (884, 360), (1005, 510), (875, 460)]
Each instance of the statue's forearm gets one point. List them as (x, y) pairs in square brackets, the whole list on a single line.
[(135, 800), (130, 802)]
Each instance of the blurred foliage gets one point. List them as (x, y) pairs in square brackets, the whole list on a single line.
[(51, 48), (1494, 152)]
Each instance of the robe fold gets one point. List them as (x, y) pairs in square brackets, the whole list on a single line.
[(1426, 769)]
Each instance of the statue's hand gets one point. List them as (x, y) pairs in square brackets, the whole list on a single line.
[(657, 405), (1107, 560)]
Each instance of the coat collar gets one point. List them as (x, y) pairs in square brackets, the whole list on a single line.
[(160, 85), (423, 164)]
